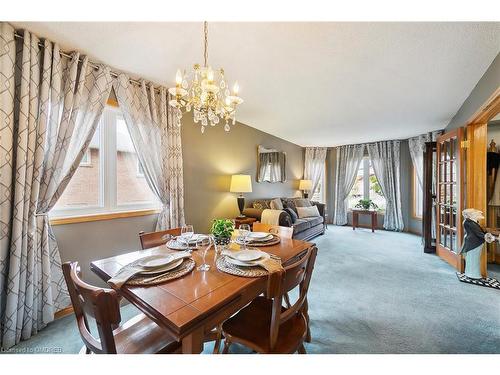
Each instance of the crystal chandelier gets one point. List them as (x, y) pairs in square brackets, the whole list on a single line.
[(206, 92)]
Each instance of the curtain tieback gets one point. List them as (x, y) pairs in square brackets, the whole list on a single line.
[(42, 214)]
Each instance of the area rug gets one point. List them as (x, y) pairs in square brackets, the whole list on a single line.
[(488, 281)]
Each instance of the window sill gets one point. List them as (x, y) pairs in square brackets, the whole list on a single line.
[(101, 216)]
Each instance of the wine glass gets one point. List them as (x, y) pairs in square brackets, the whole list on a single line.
[(203, 243), (187, 232), (244, 233)]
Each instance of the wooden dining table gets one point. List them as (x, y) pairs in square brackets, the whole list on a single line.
[(190, 307)]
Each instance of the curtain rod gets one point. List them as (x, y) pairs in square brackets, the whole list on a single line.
[(91, 63)]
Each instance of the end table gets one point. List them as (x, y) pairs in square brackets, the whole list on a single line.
[(355, 218), (244, 220)]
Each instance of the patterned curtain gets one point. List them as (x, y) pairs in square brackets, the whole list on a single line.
[(49, 107), (157, 141), (348, 159), (314, 166), (385, 158), (417, 147)]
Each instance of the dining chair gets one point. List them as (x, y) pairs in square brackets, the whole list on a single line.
[(139, 335), (284, 232), (153, 239), (265, 325)]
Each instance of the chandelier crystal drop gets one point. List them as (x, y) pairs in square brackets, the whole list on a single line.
[(206, 92)]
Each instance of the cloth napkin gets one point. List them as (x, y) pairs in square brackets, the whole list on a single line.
[(269, 238), (130, 270)]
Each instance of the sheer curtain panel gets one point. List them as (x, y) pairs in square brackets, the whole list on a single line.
[(348, 159), (314, 166), (385, 157), (157, 141)]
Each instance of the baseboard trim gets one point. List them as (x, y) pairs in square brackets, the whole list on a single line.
[(64, 312)]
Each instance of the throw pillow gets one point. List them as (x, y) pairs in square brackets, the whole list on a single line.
[(289, 203), (292, 213), (302, 202), (308, 212), (276, 204), (285, 219), (261, 204)]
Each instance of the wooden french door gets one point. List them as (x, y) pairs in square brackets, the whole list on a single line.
[(450, 197)]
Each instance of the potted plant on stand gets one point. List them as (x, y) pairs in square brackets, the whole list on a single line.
[(222, 230), (366, 204)]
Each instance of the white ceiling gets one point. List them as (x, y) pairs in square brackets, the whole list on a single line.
[(314, 84)]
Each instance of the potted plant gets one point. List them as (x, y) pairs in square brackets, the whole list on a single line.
[(366, 204), (222, 230)]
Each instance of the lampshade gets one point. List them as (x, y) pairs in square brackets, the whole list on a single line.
[(240, 183), (305, 185)]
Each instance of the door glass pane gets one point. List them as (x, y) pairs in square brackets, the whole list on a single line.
[(455, 148), (449, 150), (454, 241)]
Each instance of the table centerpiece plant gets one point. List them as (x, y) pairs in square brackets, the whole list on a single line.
[(222, 230)]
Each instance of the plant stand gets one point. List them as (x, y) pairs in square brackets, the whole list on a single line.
[(355, 218)]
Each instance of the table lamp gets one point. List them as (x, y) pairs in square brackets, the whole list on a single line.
[(305, 186), (241, 183)]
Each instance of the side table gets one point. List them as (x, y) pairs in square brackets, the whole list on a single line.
[(244, 220), (355, 218)]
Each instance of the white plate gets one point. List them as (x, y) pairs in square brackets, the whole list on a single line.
[(258, 235), (247, 255), (176, 245), (168, 267), (155, 261), (248, 264)]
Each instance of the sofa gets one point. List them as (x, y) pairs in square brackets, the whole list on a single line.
[(304, 228)]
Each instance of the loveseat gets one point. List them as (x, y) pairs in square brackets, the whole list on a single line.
[(304, 228)]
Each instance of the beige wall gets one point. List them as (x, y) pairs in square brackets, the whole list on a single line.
[(209, 160)]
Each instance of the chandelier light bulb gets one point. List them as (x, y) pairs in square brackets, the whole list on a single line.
[(236, 88), (178, 77), (210, 75)]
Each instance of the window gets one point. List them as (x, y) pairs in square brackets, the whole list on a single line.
[(366, 186), (417, 197), (140, 170), (87, 158), (109, 178)]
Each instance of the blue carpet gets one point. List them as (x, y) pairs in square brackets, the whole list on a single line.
[(370, 293)]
